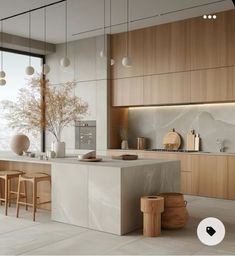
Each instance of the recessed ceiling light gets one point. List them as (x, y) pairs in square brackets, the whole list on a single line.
[(214, 17), (204, 16), (209, 17)]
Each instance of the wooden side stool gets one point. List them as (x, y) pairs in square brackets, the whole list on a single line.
[(7, 177), (33, 178), (152, 207)]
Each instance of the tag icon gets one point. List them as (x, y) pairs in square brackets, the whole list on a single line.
[(210, 230)]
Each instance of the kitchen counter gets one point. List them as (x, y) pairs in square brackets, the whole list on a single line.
[(136, 151), (105, 195)]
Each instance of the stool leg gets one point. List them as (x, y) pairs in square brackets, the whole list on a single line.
[(6, 195), (18, 199), (25, 194), (34, 198), (9, 192)]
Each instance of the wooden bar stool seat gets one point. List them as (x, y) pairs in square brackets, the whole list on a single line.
[(33, 178), (7, 177)]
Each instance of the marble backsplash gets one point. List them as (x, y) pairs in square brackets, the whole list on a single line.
[(212, 122)]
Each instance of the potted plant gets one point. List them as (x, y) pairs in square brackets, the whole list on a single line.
[(60, 108)]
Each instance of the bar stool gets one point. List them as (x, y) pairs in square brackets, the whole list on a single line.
[(33, 178), (7, 177)]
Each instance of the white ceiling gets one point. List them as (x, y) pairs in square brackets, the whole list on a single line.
[(85, 15)]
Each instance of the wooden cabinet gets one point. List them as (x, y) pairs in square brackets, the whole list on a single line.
[(209, 42), (119, 50), (210, 176), (167, 88), (127, 91), (231, 177), (166, 48), (212, 85)]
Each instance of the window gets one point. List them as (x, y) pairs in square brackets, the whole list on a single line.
[(14, 65)]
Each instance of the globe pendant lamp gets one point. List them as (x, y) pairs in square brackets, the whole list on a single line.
[(2, 73), (29, 69), (65, 62), (127, 60), (102, 52), (45, 67), (112, 61)]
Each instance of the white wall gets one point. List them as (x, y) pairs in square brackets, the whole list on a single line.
[(89, 70)]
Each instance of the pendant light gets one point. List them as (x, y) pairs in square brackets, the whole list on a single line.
[(2, 73), (112, 61), (65, 62), (45, 67), (127, 61), (102, 52), (29, 70)]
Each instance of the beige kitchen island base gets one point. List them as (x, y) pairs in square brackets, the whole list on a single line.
[(106, 196)]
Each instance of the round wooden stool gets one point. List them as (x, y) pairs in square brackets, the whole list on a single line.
[(33, 178), (152, 207), (7, 176)]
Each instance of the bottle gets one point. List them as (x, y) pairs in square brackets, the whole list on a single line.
[(197, 142)]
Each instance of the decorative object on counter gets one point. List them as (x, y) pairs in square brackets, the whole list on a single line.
[(32, 155), (20, 144), (124, 138), (61, 108), (197, 142), (220, 144), (141, 143), (175, 214), (152, 207), (89, 157), (125, 157), (172, 140), (190, 143), (59, 148), (50, 154)]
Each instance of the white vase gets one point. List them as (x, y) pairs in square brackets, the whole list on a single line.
[(59, 148), (124, 145)]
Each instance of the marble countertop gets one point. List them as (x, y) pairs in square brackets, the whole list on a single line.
[(106, 161), (175, 152)]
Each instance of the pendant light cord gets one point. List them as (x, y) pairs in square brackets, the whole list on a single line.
[(104, 28), (66, 28), (29, 38), (1, 46), (127, 28)]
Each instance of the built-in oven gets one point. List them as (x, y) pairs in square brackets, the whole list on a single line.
[(85, 135)]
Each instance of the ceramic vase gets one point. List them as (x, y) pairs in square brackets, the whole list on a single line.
[(124, 145), (59, 148), (19, 144)]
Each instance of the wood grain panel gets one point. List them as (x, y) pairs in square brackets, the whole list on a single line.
[(127, 91), (231, 177), (44, 191), (212, 85), (186, 183), (209, 42), (167, 88), (118, 51), (209, 176)]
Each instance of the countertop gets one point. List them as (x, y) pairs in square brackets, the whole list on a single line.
[(106, 161), (136, 151)]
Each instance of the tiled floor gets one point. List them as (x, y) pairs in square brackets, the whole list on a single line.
[(45, 237)]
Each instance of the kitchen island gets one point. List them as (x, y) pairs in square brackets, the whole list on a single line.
[(104, 196)]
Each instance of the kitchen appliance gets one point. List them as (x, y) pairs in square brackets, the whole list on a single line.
[(85, 135), (141, 143)]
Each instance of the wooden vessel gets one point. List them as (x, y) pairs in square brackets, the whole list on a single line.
[(175, 214)]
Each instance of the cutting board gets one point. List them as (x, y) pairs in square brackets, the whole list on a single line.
[(172, 140), (190, 145)]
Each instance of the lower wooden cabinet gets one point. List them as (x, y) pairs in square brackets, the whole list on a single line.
[(186, 182), (210, 176), (231, 177)]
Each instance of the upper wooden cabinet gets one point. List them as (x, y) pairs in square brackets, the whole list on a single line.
[(127, 92), (167, 88), (119, 50), (166, 48), (212, 85)]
